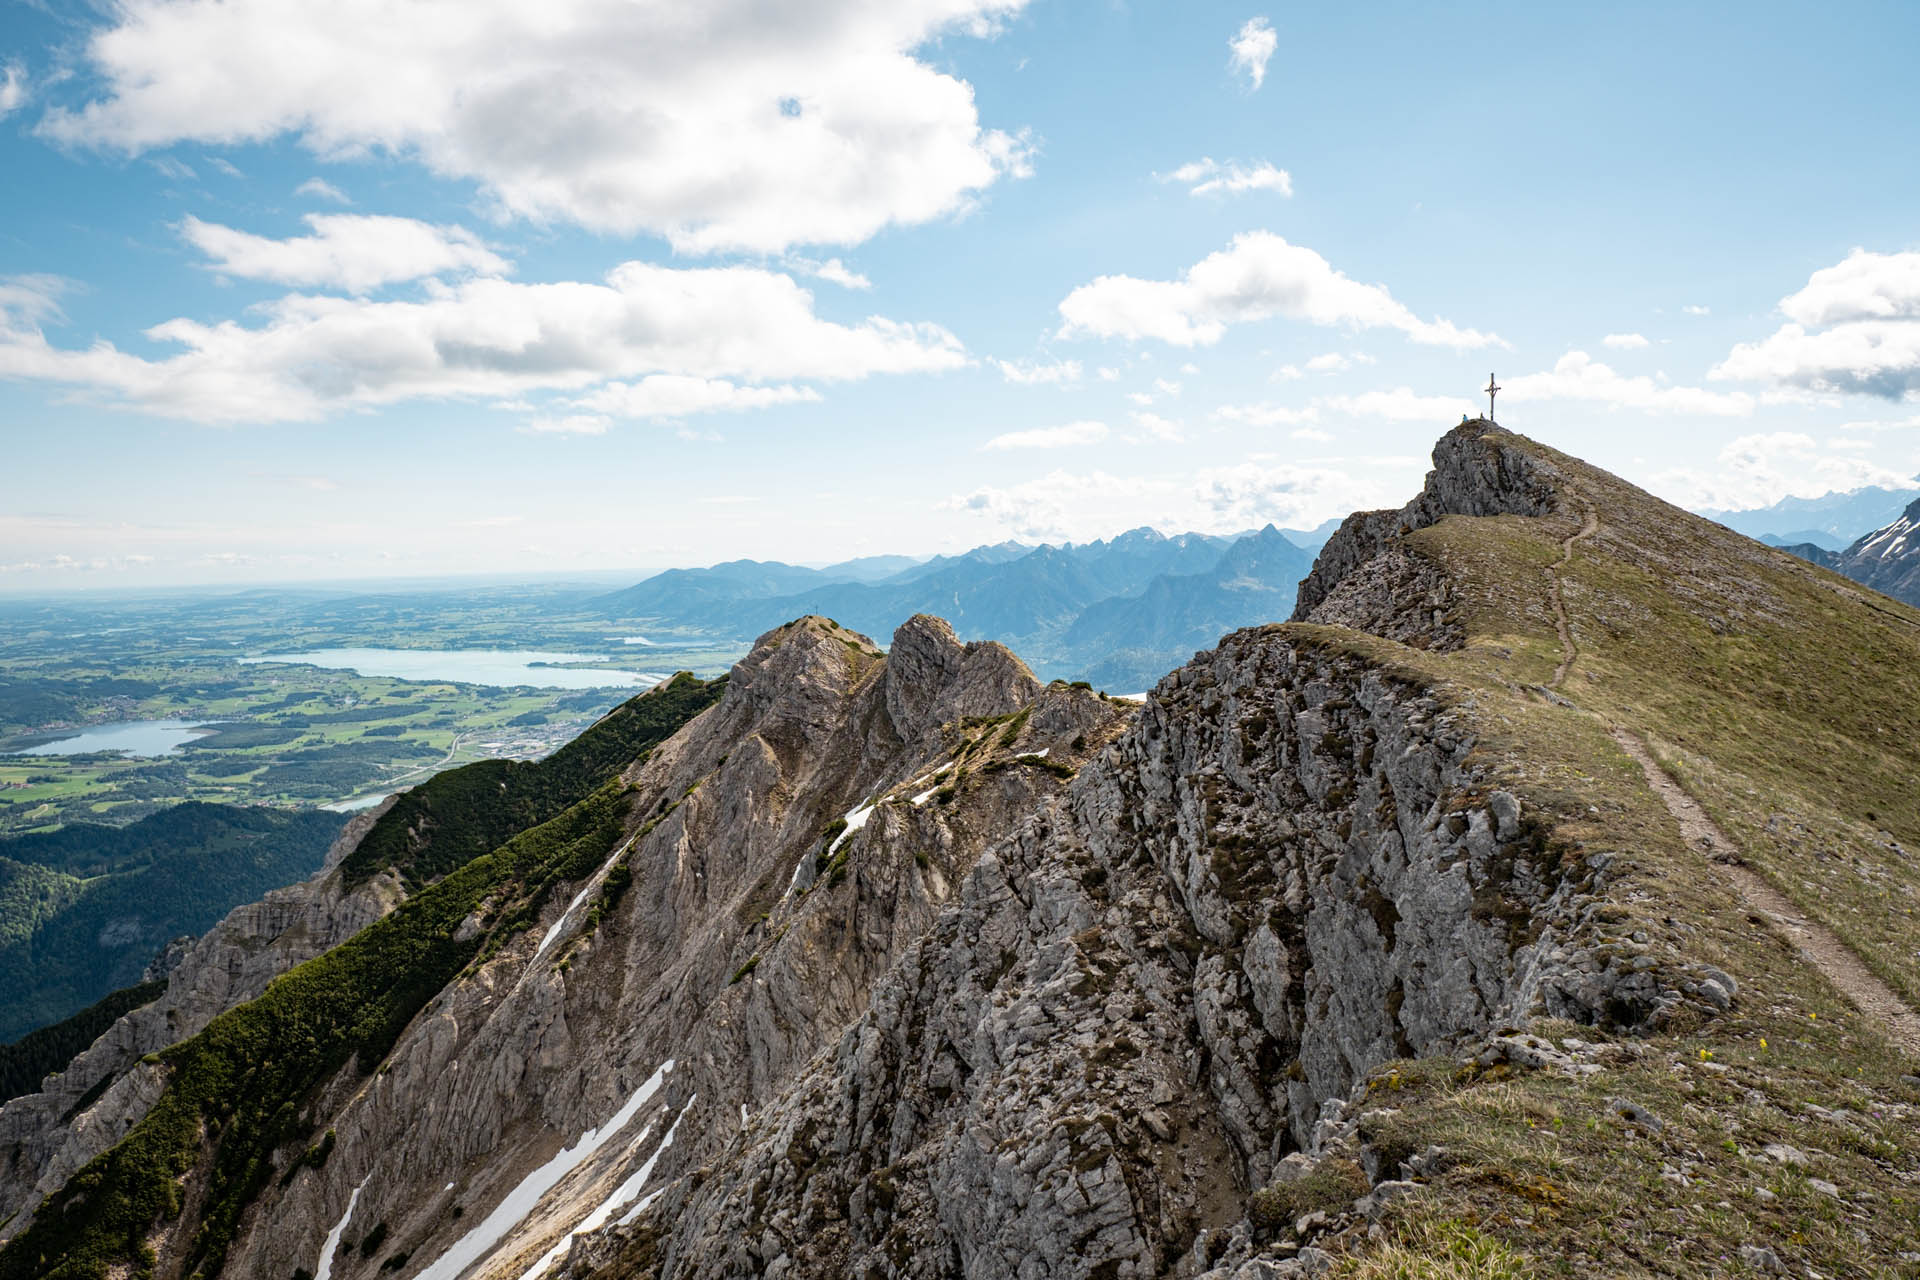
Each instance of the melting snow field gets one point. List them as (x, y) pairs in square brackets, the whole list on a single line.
[(325, 1269), (519, 1202), (621, 1197)]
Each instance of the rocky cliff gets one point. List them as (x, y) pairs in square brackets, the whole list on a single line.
[(1475, 923)]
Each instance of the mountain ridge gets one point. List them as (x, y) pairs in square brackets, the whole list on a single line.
[(1364, 943)]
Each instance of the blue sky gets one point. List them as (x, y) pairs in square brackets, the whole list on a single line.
[(292, 291)]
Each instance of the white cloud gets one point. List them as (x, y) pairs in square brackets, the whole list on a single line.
[(225, 166), (573, 424), (1073, 433), (1250, 48), (1337, 362), (1867, 357), (1251, 494), (1397, 405), (1159, 428), (1578, 376), (676, 395), (1109, 375), (13, 88), (321, 189), (1257, 277), (1141, 398), (314, 356), (1211, 178), (1624, 341), (1028, 373), (1865, 286), (1694, 310), (833, 271), (1061, 506), (1759, 470), (351, 251), (732, 125), (1166, 387), (1853, 329), (1312, 435), (169, 167)]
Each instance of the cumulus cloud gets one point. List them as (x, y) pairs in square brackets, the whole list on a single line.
[(1250, 494), (355, 252), (1624, 341), (1696, 310), (1854, 328), (1578, 376), (321, 189), (313, 356), (1028, 373), (1759, 470), (1251, 48), (1866, 286), (13, 88), (1073, 433), (731, 125), (1207, 177), (1257, 277), (1337, 362)]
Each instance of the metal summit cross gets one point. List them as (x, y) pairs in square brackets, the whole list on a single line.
[(1492, 389)]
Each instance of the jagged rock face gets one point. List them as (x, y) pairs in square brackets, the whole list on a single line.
[(620, 1048), (1286, 872), (1364, 578), (47, 1136)]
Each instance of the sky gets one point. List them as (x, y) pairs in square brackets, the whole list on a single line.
[(294, 292)]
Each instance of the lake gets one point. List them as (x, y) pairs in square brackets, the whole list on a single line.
[(503, 668), (133, 737)]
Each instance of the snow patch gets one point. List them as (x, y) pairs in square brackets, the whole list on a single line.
[(519, 1202), (856, 818), (621, 1197), (573, 907), (325, 1269)]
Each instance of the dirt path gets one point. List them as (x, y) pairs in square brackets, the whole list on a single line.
[(1817, 944), (1568, 650)]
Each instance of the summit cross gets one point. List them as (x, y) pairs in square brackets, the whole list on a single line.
[(1492, 389)]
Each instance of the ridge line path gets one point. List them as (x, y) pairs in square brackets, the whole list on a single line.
[(1817, 944), (1568, 650)]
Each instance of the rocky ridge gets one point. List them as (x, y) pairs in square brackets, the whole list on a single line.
[(1141, 1008)]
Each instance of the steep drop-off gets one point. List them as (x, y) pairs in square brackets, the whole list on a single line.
[(1378, 943)]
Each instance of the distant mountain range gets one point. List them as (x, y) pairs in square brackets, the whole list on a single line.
[(1886, 559), (1118, 612), (1831, 521)]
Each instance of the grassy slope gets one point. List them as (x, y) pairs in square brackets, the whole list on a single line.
[(84, 909), (1788, 702), (243, 1080)]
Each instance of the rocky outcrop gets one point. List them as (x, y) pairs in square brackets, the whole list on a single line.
[(1286, 872), (783, 850), (89, 1105), (1368, 578)]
